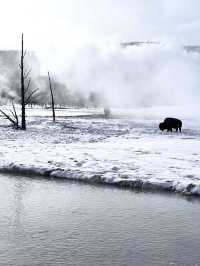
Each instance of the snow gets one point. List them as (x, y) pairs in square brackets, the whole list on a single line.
[(126, 150)]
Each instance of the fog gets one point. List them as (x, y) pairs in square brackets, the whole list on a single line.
[(79, 43), (145, 75)]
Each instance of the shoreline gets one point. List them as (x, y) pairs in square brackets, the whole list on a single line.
[(137, 185)]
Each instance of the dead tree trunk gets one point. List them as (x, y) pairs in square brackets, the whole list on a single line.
[(23, 104), (52, 99), (26, 94)]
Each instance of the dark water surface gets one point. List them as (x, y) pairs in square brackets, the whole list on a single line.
[(61, 223)]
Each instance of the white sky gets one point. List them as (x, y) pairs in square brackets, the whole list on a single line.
[(60, 23)]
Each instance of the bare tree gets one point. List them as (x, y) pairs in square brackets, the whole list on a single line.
[(52, 99), (13, 118), (26, 94), (23, 106)]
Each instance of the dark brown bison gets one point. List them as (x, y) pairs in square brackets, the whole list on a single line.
[(170, 123)]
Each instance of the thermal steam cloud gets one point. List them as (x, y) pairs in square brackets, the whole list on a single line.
[(134, 76)]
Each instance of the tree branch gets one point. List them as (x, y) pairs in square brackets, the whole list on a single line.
[(27, 73), (14, 121), (15, 114), (24, 54), (7, 117), (27, 101), (27, 87)]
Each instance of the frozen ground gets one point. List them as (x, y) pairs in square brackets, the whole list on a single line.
[(127, 149)]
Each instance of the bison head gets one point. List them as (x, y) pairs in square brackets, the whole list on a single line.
[(162, 126)]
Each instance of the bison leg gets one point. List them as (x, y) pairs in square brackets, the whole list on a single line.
[(176, 129), (180, 129)]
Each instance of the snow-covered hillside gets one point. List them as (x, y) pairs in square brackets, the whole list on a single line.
[(127, 149)]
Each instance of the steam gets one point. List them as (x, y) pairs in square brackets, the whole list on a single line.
[(79, 43), (134, 76)]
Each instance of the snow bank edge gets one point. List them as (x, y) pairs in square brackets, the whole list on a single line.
[(188, 188)]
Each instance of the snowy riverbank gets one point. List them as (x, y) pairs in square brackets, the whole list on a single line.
[(126, 150)]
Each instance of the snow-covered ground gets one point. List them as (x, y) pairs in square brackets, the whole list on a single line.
[(127, 149)]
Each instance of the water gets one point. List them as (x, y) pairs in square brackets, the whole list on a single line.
[(62, 223)]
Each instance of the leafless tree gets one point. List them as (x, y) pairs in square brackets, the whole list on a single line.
[(52, 99), (26, 93)]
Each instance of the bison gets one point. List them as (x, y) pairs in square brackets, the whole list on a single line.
[(170, 123)]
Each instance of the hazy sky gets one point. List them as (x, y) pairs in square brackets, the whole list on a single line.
[(57, 23), (76, 40)]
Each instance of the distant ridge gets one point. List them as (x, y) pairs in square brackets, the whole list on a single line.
[(188, 48), (137, 43), (192, 48)]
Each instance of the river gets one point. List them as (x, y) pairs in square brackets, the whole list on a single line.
[(48, 222)]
